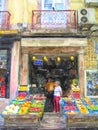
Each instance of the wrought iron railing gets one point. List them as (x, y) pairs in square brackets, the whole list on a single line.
[(54, 19), (4, 19)]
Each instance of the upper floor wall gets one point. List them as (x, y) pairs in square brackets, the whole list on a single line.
[(46, 14)]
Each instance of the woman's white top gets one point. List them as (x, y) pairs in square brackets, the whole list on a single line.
[(57, 91)]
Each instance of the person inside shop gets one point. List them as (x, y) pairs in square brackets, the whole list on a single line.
[(57, 96), (50, 90)]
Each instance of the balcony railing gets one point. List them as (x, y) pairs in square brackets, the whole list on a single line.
[(4, 19), (54, 19)]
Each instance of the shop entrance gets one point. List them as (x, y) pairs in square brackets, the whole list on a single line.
[(43, 67)]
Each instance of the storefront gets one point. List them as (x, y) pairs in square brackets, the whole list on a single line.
[(58, 58)]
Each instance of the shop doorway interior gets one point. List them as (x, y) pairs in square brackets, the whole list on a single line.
[(57, 67)]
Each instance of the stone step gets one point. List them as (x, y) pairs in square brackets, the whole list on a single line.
[(53, 121)]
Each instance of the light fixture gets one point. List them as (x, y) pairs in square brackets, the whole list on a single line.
[(34, 58), (58, 59), (72, 58), (45, 58)]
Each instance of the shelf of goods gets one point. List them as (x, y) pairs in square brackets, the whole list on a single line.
[(80, 112), (24, 112)]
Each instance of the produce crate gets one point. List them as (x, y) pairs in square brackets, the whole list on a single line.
[(31, 120), (82, 120)]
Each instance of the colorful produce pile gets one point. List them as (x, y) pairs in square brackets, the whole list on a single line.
[(69, 106), (37, 107), (27, 106), (79, 106), (76, 92), (11, 109), (23, 88), (82, 108), (91, 104)]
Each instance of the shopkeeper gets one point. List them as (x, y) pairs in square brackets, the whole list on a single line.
[(57, 96)]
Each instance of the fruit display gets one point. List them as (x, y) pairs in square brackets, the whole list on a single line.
[(91, 105), (69, 106), (71, 112), (37, 106), (23, 110), (79, 106), (22, 94), (76, 94), (24, 107), (80, 112), (76, 106), (23, 88), (93, 108), (75, 89), (20, 98), (30, 105), (28, 112), (82, 108), (26, 104), (11, 109), (16, 102), (88, 101)]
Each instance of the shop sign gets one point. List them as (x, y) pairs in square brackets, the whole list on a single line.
[(38, 62), (8, 32), (57, 42)]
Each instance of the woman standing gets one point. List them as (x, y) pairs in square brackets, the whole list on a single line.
[(57, 96)]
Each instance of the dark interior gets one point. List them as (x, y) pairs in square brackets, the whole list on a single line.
[(58, 67)]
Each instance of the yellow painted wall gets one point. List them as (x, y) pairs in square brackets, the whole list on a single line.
[(75, 4), (21, 10)]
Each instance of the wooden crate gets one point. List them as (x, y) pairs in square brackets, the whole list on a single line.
[(22, 120), (82, 120)]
